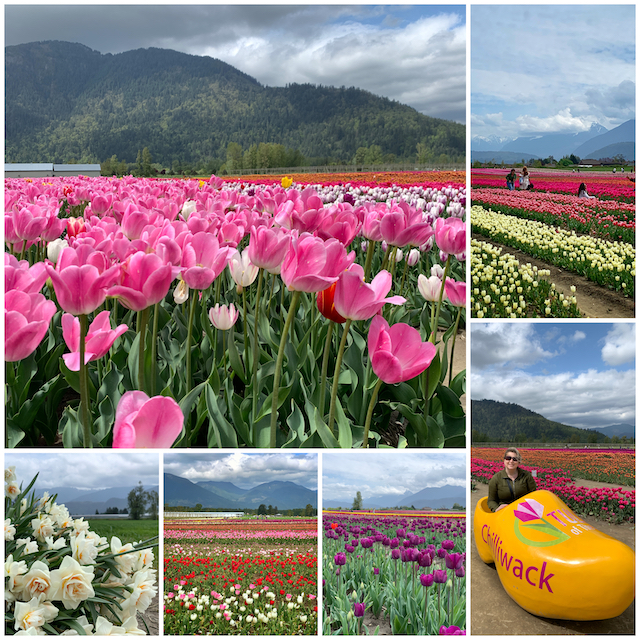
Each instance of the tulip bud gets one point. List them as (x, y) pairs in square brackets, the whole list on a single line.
[(181, 292), (54, 248), (413, 258)]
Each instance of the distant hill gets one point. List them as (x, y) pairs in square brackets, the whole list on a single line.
[(429, 497), (86, 502), (605, 145), (493, 421), (285, 495), (619, 430), (508, 157), (64, 102)]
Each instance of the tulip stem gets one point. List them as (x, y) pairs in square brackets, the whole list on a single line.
[(85, 413), (336, 374), (143, 319), (404, 274), (367, 424), (369, 260), (385, 260), (254, 383), (434, 326), (276, 379), (244, 330), (325, 366), (192, 313), (453, 343), (154, 346)]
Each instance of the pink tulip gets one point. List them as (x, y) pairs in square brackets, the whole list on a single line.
[(456, 292), (143, 422), (26, 321), (19, 275), (29, 222), (267, 247), (202, 260), (341, 223), (100, 338), (223, 317), (397, 353), (81, 280), (451, 235), (403, 225), (144, 280), (357, 300), (75, 226), (312, 264)]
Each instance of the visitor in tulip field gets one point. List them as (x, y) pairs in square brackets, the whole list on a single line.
[(524, 179), (582, 191), (511, 180), (511, 484)]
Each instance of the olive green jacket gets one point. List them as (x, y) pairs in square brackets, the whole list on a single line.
[(503, 491)]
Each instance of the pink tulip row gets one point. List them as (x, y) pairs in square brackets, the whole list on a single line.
[(234, 534), (616, 186)]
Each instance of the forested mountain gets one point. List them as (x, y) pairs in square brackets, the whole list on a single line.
[(493, 421), (66, 102)]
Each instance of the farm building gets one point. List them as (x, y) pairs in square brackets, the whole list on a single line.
[(49, 170)]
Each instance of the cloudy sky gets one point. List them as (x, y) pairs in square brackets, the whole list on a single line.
[(582, 375), (85, 469), (414, 54), (543, 69), (245, 470), (389, 472)]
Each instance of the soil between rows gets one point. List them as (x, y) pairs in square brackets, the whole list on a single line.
[(594, 301), (493, 612)]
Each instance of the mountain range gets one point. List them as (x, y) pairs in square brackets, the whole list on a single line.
[(428, 498), (81, 502), (493, 421), (65, 101), (596, 143), (181, 492)]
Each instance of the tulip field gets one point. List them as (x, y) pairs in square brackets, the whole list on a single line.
[(147, 312), (237, 576), (404, 568), (558, 468), (591, 237)]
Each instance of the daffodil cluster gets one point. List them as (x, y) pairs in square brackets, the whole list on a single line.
[(612, 264), (61, 578), (501, 287)]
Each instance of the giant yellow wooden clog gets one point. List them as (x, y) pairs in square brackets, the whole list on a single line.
[(551, 562)]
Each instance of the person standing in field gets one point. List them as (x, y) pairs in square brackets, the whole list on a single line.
[(524, 179), (511, 180)]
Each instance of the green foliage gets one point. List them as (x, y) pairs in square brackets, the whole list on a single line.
[(137, 501), (187, 110)]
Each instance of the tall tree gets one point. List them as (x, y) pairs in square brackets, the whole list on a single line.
[(357, 502), (137, 501)]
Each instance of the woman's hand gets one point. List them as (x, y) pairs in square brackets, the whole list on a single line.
[(502, 506)]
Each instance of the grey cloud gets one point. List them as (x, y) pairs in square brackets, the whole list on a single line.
[(614, 102)]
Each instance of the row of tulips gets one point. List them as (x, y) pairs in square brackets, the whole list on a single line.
[(611, 264), (607, 219), (265, 386), (409, 571), (501, 287), (616, 466), (603, 185), (606, 503)]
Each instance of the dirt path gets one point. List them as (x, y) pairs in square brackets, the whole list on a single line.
[(594, 301), (493, 612), (151, 616)]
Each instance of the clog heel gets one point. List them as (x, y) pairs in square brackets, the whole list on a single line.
[(552, 563)]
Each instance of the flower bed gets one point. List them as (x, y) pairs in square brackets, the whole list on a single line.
[(503, 288), (153, 313), (408, 570)]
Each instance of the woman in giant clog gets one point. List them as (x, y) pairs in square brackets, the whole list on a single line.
[(549, 560), (510, 484)]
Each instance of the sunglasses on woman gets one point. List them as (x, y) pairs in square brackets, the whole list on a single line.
[(509, 458)]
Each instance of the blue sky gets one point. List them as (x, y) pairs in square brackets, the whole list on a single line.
[(551, 68), (85, 469), (389, 472), (580, 374), (245, 470), (415, 54)]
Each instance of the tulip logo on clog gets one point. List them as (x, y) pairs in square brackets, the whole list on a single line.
[(531, 510)]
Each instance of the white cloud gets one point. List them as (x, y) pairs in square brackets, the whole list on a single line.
[(578, 335), (620, 345), (508, 345)]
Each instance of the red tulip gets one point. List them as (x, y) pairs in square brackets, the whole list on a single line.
[(326, 305)]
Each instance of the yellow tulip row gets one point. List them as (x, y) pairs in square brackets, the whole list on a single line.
[(608, 263), (503, 288)]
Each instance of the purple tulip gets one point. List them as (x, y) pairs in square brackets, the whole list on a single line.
[(340, 559), (358, 609), (395, 554), (451, 631), (460, 572), (427, 579), (440, 576), (453, 560)]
